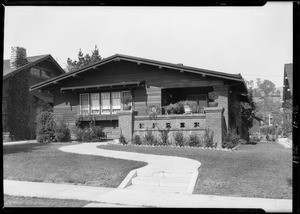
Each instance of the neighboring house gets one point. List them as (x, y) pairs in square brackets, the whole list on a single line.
[(98, 90), (38, 69), (288, 82)]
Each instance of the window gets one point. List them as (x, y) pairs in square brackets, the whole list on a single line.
[(35, 72), (102, 103), (182, 125), (196, 124), (116, 101), (105, 103), (44, 74), (84, 103), (168, 125), (201, 99), (127, 94), (95, 103)]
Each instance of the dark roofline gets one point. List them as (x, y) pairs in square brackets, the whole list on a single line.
[(32, 64), (235, 77)]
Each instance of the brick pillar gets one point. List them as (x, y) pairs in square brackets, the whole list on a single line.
[(223, 100), (214, 121), (126, 123)]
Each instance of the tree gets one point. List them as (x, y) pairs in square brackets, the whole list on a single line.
[(83, 60), (266, 87)]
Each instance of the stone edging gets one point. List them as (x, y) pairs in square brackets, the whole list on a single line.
[(222, 149)]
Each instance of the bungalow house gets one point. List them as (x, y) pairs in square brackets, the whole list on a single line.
[(16, 82), (96, 91)]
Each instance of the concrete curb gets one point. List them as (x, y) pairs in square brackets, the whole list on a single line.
[(128, 180), (192, 183)]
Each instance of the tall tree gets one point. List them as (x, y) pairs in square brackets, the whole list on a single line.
[(266, 87), (83, 60)]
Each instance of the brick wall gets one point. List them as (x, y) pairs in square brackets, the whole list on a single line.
[(187, 124), (223, 100)]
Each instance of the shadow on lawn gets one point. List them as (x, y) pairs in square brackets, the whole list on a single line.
[(11, 149)]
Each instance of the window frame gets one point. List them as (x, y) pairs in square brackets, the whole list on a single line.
[(91, 103), (80, 102)]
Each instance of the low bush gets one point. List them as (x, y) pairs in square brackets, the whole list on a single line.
[(122, 140), (61, 132), (194, 141), (45, 127), (231, 140), (179, 139), (51, 129), (209, 138), (149, 138), (164, 135), (91, 133), (267, 130), (137, 140)]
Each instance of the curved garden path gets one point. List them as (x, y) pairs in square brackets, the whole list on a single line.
[(163, 173)]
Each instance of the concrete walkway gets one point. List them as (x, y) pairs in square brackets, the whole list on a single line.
[(162, 174), (18, 142), (109, 197), (286, 142)]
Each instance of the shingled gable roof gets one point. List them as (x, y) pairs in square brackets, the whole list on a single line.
[(117, 57), (32, 60)]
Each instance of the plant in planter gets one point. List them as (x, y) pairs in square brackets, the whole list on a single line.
[(127, 102), (190, 106), (213, 96)]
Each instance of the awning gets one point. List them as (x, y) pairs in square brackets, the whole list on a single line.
[(106, 86)]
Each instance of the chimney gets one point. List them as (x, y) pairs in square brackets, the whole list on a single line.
[(18, 57)]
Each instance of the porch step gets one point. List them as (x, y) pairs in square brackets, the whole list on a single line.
[(161, 182), (164, 174), (158, 189)]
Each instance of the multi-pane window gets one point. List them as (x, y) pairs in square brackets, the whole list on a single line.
[(84, 103), (95, 103), (45, 74), (35, 71), (116, 101), (105, 103)]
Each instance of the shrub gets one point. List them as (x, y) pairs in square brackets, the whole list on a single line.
[(122, 140), (164, 135), (209, 138), (179, 139), (91, 133), (231, 140), (153, 111), (61, 132), (137, 140), (267, 130), (45, 127), (149, 138), (193, 141)]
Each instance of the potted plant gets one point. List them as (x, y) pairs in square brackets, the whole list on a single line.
[(187, 107), (127, 102), (213, 96)]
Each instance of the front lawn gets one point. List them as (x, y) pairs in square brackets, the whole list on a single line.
[(45, 163), (20, 201), (262, 170)]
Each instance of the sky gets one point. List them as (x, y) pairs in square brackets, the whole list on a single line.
[(253, 41)]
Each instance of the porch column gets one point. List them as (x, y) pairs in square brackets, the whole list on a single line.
[(223, 100), (126, 122), (214, 122)]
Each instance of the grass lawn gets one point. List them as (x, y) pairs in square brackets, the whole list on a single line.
[(262, 170), (45, 163), (19, 201)]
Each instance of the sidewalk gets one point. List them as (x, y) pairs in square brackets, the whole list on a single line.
[(106, 197), (18, 142), (286, 142)]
